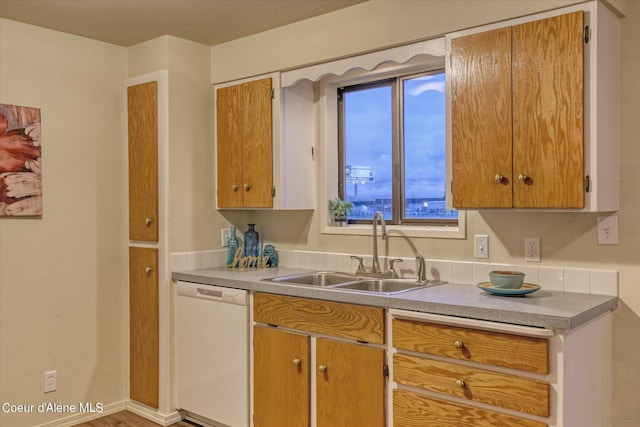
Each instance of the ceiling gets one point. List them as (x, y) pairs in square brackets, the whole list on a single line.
[(129, 22)]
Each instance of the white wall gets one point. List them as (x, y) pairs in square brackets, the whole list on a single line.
[(567, 239), (63, 301)]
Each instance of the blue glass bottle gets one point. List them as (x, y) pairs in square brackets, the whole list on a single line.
[(232, 246), (251, 241)]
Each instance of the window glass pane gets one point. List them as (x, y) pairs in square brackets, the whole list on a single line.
[(368, 128), (424, 148)]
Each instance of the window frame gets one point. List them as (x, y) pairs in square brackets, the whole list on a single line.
[(396, 83)]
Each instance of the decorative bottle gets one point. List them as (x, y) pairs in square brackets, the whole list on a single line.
[(232, 246), (251, 241)]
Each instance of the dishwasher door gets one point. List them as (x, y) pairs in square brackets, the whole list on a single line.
[(212, 353)]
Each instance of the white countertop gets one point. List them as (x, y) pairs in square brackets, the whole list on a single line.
[(546, 309)]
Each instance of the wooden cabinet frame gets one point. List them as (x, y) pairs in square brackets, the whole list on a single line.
[(484, 109)]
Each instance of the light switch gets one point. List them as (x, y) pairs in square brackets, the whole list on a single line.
[(481, 246), (608, 230)]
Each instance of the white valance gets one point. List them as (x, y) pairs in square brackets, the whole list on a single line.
[(429, 49)]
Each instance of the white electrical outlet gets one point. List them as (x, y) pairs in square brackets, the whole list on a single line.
[(481, 246), (532, 249), (50, 380), (226, 232)]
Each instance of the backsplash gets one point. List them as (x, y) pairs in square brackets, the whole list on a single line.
[(553, 278)]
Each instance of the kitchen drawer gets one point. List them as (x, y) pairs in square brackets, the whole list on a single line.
[(493, 348), (411, 409), (507, 391), (343, 320)]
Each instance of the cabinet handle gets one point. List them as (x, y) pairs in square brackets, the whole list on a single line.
[(460, 383), (525, 179), (148, 221), (458, 344), (297, 362), (235, 187), (322, 368), (247, 187), (499, 178), (148, 270)]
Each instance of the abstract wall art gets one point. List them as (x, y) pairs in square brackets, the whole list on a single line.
[(20, 161)]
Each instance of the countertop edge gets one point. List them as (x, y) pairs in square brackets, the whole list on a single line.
[(251, 280)]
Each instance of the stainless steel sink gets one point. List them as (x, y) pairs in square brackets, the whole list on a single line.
[(349, 282), (382, 286), (319, 278)]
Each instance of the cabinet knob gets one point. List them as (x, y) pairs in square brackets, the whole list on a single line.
[(460, 383), (525, 179), (458, 344), (148, 221), (499, 178), (297, 362), (235, 187), (322, 368), (247, 187), (148, 270)]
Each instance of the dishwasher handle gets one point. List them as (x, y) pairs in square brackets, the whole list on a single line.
[(212, 293)]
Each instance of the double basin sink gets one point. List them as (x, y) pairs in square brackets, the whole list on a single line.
[(348, 282)]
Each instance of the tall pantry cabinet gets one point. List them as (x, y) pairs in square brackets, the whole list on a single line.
[(146, 120)]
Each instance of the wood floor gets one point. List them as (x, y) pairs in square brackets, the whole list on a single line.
[(128, 419)]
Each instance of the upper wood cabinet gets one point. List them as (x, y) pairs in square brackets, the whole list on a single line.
[(528, 122), (142, 108), (244, 145), (264, 145)]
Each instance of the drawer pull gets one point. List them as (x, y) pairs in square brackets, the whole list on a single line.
[(297, 362), (460, 383), (458, 344), (148, 270), (322, 368)]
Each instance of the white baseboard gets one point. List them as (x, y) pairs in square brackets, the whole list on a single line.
[(82, 417), (112, 408), (153, 415)]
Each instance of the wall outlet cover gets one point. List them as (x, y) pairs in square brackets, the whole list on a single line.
[(608, 230)]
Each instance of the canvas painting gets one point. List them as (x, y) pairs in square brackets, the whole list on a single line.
[(20, 161)]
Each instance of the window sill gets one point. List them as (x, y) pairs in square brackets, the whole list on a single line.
[(457, 232)]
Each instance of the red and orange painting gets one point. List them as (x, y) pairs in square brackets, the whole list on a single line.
[(20, 161)]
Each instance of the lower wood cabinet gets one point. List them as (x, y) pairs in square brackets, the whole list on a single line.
[(281, 383), (413, 409), (143, 326), (350, 384), (343, 379), (459, 365)]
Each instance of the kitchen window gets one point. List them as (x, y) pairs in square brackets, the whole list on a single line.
[(392, 149)]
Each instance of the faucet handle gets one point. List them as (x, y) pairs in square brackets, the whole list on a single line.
[(360, 268), (394, 274)]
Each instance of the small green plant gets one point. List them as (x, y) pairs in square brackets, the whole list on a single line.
[(339, 207)]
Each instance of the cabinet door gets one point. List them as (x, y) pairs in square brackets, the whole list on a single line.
[(257, 154), (480, 82), (143, 161), (143, 325), (349, 385), (281, 390), (245, 145), (548, 112), (230, 123)]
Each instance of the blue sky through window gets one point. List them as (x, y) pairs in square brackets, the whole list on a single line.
[(368, 156)]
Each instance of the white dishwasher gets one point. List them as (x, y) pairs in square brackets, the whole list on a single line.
[(212, 353)]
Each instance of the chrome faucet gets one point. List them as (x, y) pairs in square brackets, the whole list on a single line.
[(422, 269), (375, 266)]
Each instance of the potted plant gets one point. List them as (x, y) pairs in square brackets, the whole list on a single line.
[(339, 209)]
